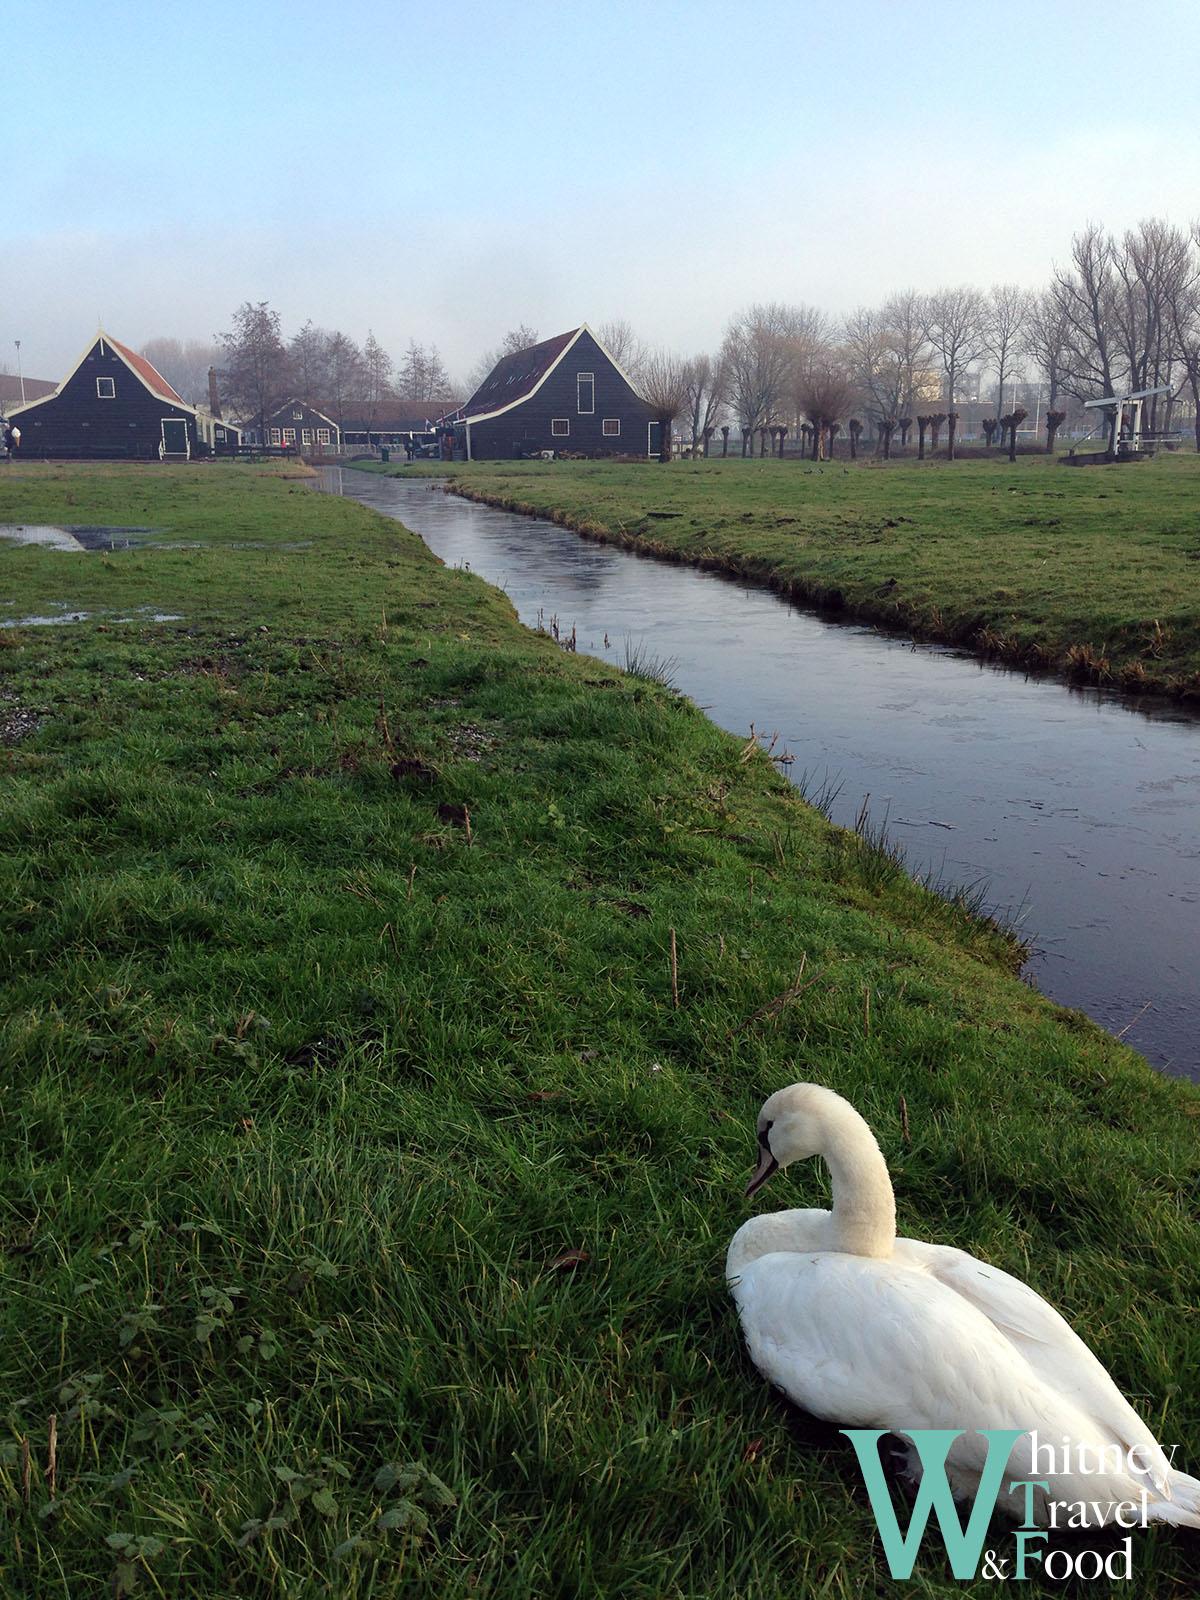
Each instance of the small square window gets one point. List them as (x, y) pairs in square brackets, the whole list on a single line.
[(297, 416), (106, 389), (611, 427), (560, 427)]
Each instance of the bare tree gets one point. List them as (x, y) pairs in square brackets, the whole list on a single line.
[(826, 399), (1046, 340), (758, 355), (1185, 324), (663, 384), (344, 379), (955, 322), (1006, 316), (422, 379), (704, 399), (623, 345), (255, 365), (184, 364), (1154, 268), (1084, 295)]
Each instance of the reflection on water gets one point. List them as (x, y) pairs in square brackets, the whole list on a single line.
[(1080, 811)]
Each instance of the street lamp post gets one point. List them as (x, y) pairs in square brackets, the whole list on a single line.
[(20, 375)]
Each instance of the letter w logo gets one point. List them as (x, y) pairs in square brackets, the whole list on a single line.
[(934, 1494)]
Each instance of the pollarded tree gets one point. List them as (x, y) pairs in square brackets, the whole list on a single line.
[(255, 371), (825, 399), (1054, 421), (663, 384)]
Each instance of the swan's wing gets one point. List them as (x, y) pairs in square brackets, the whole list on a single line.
[(870, 1343), (1044, 1338)]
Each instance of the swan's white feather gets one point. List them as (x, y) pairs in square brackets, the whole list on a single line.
[(899, 1334)]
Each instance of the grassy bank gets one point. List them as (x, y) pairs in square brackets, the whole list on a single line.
[(389, 997), (1091, 573)]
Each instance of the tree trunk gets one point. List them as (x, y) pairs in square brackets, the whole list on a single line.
[(951, 430), (922, 424), (724, 441)]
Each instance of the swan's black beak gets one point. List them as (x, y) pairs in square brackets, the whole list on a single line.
[(767, 1164)]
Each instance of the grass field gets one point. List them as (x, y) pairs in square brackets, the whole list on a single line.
[(388, 1000), (1091, 573)]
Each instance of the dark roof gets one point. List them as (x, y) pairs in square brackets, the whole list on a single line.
[(148, 375), (35, 389), (515, 377)]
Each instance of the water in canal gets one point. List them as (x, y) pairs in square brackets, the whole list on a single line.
[(1079, 811)]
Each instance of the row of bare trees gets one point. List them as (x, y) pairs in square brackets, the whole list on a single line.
[(1120, 314)]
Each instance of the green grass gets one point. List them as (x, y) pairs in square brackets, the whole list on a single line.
[(368, 1163), (1091, 573)]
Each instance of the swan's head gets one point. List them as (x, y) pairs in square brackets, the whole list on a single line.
[(795, 1124)]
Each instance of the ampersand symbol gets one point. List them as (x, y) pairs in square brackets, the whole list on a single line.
[(993, 1568)]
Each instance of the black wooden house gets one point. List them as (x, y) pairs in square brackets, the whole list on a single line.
[(566, 395), (112, 404)]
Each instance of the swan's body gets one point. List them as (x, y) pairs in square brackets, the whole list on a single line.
[(873, 1331)]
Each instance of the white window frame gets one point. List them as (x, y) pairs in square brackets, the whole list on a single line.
[(610, 428), (590, 379), (274, 435), (560, 427), (289, 436), (106, 394), (322, 435), (297, 416), (306, 436)]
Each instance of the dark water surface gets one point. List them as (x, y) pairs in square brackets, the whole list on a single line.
[(1078, 810)]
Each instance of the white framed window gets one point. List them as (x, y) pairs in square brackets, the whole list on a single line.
[(560, 427), (274, 435), (297, 416), (289, 436), (611, 427), (306, 436), (106, 388), (585, 392), (322, 435)]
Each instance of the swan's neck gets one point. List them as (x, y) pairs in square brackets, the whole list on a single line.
[(864, 1207)]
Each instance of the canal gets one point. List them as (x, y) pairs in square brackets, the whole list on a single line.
[(1077, 812)]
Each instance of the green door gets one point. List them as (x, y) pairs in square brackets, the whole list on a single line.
[(175, 438)]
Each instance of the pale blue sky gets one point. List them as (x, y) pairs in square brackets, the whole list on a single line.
[(444, 172)]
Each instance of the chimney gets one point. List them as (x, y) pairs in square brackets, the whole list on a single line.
[(214, 399)]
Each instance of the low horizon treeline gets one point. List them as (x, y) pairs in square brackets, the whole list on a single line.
[(1122, 315)]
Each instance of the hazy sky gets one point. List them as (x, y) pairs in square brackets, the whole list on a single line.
[(444, 172)]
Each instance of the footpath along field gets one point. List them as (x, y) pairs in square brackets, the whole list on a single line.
[(388, 998), (1092, 573)]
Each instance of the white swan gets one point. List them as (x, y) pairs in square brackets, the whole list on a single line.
[(873, 1331)]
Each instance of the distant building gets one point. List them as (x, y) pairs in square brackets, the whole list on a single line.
[(297, 426), (566, 395), (16, 391), (112, 405)]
